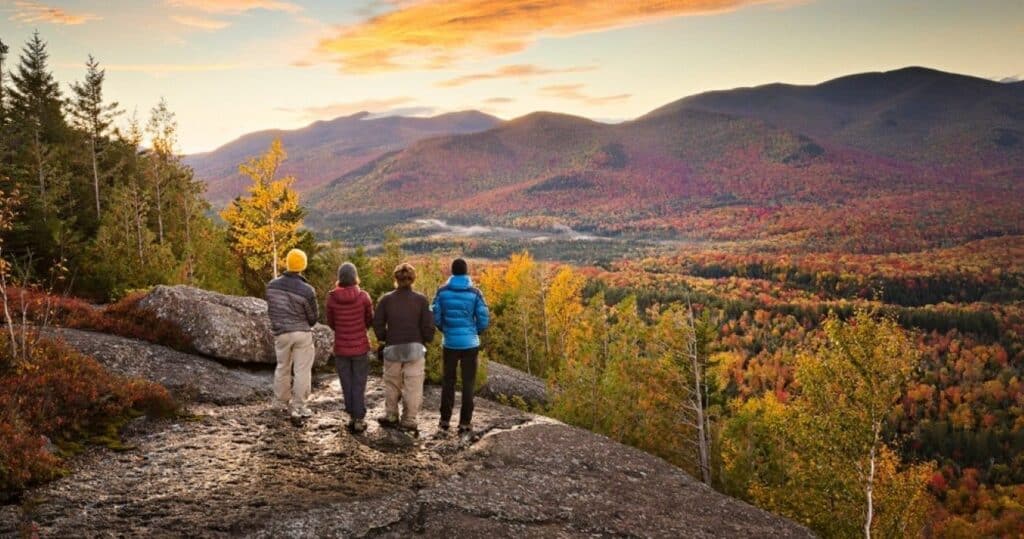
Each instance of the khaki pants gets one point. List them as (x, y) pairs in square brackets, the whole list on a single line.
[(294, 351), (405, 379)]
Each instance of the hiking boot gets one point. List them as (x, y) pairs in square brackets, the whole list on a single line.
[(359, 426), (279, 406), (443, 425), (409, 426), (388, 421), (301, 412), (465, 430)]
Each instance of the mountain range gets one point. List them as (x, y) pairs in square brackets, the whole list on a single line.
[(899, 160), (322, 150)]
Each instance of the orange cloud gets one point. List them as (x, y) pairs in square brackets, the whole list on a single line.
[(29, 12), (436, 33), (202, 23), (236, 6), (509, 71), (573, 92)]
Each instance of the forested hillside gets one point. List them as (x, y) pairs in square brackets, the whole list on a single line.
[(324, 149), (896, 161)]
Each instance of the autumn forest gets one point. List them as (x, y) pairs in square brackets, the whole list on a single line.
[(819, 313)]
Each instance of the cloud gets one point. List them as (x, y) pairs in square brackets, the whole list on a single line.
[(203, 23), (165, 69), (234, 7), (335, 110), (511, 71), (574, 92), (434, 34), (30, 12), (498, 100), (403, 111)]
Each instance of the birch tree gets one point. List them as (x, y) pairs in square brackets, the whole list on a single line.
[(265, 224), (839, 476)]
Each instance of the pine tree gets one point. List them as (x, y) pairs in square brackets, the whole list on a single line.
[(36, 108), (93, 117), (263, 226)]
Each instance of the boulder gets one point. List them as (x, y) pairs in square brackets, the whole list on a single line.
[(509, 382), (190, 378), (233, 328)]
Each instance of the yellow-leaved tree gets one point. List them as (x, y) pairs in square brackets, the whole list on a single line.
[(264, 225), (838, 474)]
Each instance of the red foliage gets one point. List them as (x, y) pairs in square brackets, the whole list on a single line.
[(124, 318), (63, 395)]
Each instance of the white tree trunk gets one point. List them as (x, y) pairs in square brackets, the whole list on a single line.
[(95, 175), (7, 315), (526, 337), (870, 486), (137, 210), (703, 448), (273, 244)]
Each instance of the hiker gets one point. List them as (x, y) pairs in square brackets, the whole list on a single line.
[(404, 326), (350, 314), (461, 314), (291, 304)]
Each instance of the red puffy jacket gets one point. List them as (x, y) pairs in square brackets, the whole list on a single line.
[(349, 314)]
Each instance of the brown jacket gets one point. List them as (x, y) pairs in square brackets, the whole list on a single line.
[(403, 316)]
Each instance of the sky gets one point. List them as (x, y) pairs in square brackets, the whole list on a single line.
[(229, 67)]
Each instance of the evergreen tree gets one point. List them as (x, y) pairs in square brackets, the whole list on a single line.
[(39, 166), (36, 107), (93, 117)]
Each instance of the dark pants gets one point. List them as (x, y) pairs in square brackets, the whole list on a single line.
[(452, 358), (352, 370)]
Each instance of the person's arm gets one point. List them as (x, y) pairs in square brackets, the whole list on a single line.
[(436, 309), (426, 323), (483, 314), (329, 312), (312, 310), (367, 310), (380, 320)]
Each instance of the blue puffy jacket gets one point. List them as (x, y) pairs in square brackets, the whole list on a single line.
[(460, 312)]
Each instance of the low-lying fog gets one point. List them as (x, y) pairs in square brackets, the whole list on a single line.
[(438, 228)]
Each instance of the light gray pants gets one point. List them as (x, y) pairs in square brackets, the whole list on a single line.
[(405, 380), (295, 352)]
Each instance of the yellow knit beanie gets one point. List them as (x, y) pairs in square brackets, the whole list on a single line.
[(296, 260)]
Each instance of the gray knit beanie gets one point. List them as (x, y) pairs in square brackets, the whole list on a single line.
[(347, 274)]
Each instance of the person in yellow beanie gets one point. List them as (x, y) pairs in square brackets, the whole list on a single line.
[(292, 306)]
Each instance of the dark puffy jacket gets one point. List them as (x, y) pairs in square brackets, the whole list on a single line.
[(402, 317), (291, 304), (461, 313), (349, 314)]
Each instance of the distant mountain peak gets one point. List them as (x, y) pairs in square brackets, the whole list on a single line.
[(326, 149)]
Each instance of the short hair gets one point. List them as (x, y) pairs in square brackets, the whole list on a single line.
[(405, 274)]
